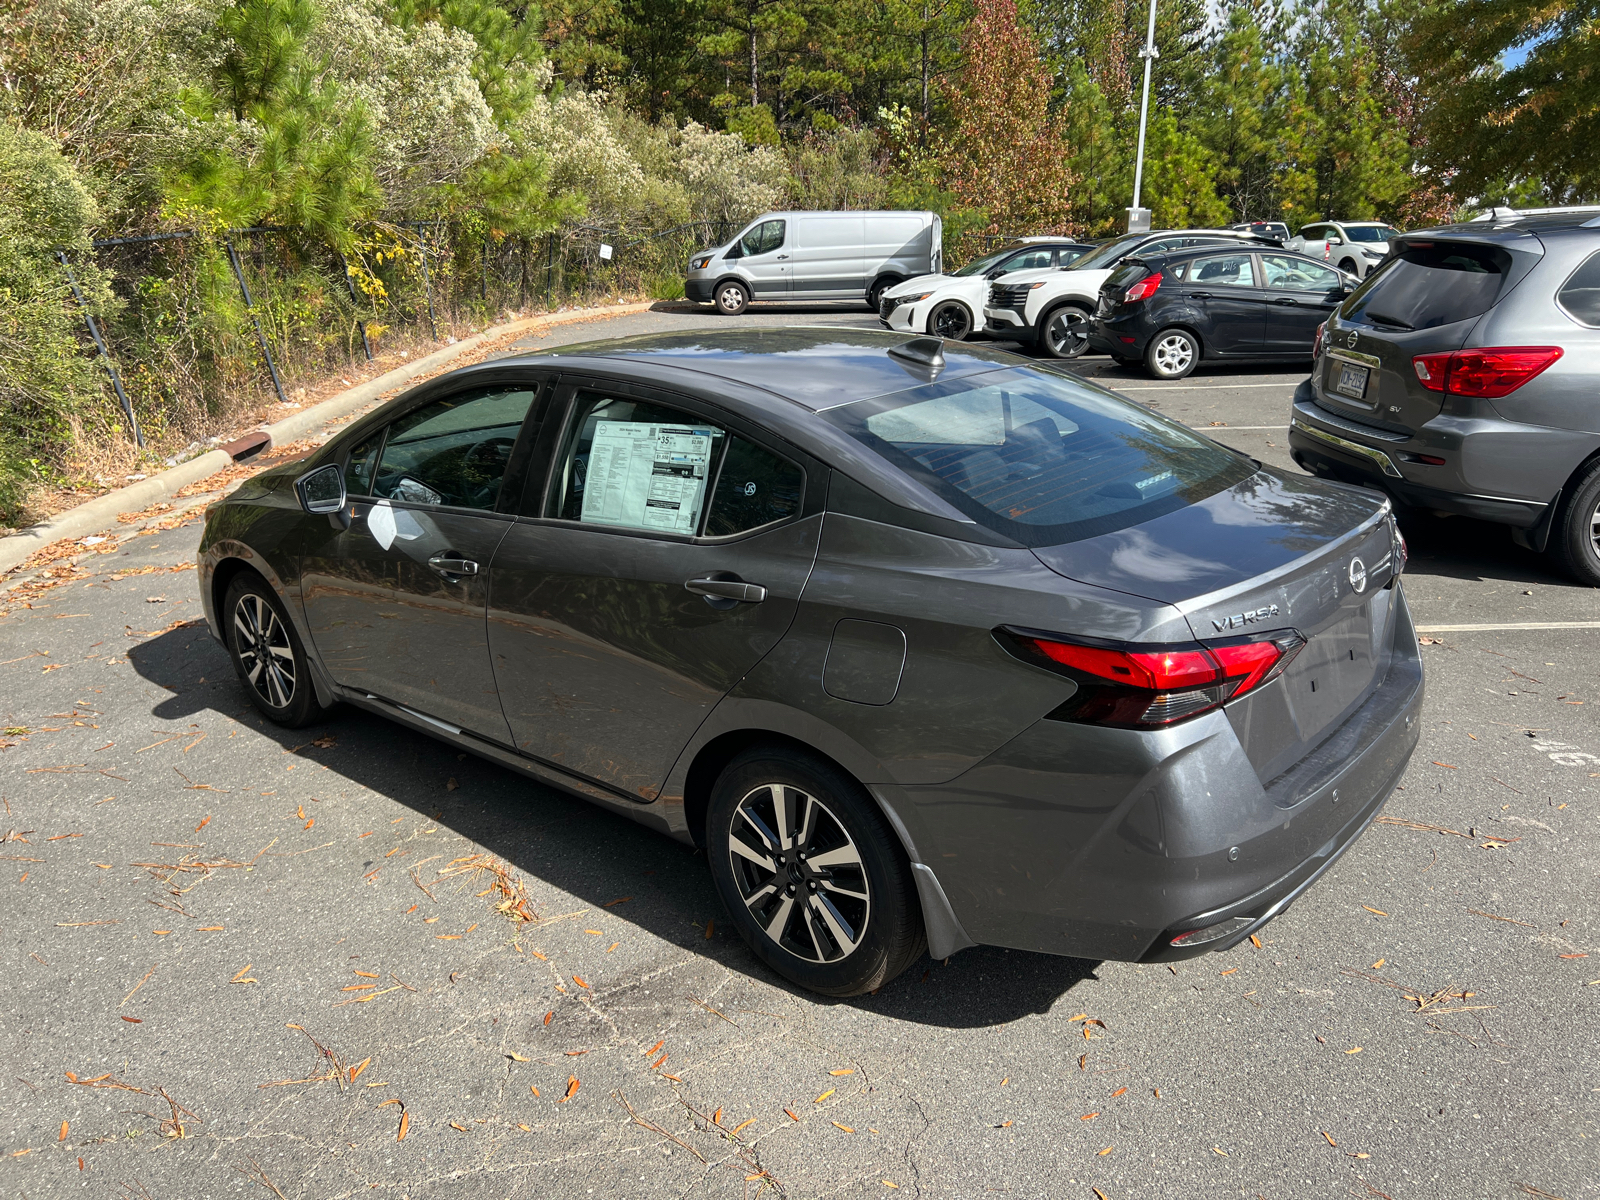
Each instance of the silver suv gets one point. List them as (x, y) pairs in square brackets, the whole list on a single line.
[(1462, 377)]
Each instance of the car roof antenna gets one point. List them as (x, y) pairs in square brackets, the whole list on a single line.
[(924, 351)]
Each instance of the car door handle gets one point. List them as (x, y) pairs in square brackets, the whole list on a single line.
[(1285, 300), (727, 589), (450, 566), (781, 257), (1200, 295)]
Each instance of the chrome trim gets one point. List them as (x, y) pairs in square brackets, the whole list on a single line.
[(1354, 356), (1383, 461), (1507, 500)]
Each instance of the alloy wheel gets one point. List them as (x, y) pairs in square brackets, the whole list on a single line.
[(951, 321), (1594, 530), (1068, 333), (263, 647), (1173, 354), (799, 873)]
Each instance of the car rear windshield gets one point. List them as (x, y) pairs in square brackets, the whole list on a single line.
[(1126, 275), (1427, 285), (1040, 458)]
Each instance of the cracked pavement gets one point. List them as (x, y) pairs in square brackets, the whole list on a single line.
[(239, 942)]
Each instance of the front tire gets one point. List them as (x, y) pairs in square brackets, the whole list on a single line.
[(732, 298), (1172, 354), (1348, 266), (951, 321), (810, 873), (876, 291), (267, 654), (1065, 332), (1575, 539)]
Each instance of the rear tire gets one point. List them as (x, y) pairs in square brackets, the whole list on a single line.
[(267, 654), (1575, 537), (876, 291), (951, 321), (732, 298), (1064, 333), (1348, 266), (841, 928), (1172, 354)]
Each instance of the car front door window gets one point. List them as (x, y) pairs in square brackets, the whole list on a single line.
[(763, 239), (1285, 273), (1302, 294), (453, 452)]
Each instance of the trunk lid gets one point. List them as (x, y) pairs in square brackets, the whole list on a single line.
[(1270, 553)]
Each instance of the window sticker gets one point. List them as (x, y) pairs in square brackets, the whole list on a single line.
[(647, 476), (380, 524)]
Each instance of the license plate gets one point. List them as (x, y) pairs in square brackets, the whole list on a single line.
[(1352, 380)]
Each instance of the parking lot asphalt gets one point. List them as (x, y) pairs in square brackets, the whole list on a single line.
[(242, 960)]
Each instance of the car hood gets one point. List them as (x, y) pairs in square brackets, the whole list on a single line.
[(920, 283), (1260, 532)]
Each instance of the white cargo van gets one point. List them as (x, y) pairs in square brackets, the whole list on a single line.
[(816, 256)]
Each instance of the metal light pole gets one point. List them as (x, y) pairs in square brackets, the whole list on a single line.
[(1139, 218)]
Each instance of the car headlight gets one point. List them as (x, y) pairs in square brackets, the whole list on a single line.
[(912, 299), (701, 263)]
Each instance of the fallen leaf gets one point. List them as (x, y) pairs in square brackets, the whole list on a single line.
[(1099, 1193), (515, 1057), (716, 1117), (655, 1066), (752, 1121), (1120, 1091), (1360, 1156), (386, 1103), (1156, 1092), (1230, 970), (211, 929), (355, 1071), (572, 1087), (846, 1128), (533, 1089), (1005, 1081), (791, 1115), (1572, 956), (202, 824), (549, 1016), (364, 974), (594, 932), (1256, 941), (1329, 1138), (824, 1095), (710, 928), (1089, 1116), (405, 1121), (451, 785), (462, 1128), (617, 901), (1379, 911), (1103, 1153), (886, 1183), (1379, 963), (525, 1128), (63, 1136), (580, 981), (843, 1071), (1446, 766), (575, 1053), (134, 1020), (1354, 1050), (1219, 1150)]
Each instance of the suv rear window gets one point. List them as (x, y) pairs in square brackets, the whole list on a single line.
[(1580, 295), (1425, 286), (1039, 458)]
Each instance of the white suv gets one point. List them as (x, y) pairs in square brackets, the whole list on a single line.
[(1050, 308), (1355, 247), (949, 306)]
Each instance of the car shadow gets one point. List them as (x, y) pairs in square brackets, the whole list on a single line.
[(564, 842), (1475, 551), (757, 307)]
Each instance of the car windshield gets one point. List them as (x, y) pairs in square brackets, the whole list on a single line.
[(1371, 233), (1107, 255), (979, 265), (1041, 458)]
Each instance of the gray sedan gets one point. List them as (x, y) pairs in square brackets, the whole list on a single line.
[(926, 645)]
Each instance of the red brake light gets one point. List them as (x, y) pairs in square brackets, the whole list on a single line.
[(1139, 688), (1143, 290), (1487, 373), (1316, 342)]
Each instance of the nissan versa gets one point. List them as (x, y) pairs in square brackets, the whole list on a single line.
[(926, 645)]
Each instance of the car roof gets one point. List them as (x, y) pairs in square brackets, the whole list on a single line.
[(814, 367), (1189, 252)]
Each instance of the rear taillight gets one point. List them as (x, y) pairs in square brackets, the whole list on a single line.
[(1150, 687), (1488, 373), (1142, 290), (1316, 342)]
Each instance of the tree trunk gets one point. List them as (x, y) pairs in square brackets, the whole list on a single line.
[(925, 113), (755, 78)]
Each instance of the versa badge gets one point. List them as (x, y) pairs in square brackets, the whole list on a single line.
[(1245, 618)]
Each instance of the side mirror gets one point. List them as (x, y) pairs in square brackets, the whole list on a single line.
[(1335, 240), (321, 491)]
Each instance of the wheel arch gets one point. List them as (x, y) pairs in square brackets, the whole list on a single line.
[(1052, 307), (226, 562), (1188, 328)]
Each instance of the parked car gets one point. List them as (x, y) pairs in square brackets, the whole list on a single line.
[(1355, 247), (1170, 311), (1461, 377), (948, 305), (923, 643), (1275, 230), (1050, 309), (816, 256)]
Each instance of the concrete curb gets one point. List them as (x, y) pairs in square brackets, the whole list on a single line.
[(102, 512)]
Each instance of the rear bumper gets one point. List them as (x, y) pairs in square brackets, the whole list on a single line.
[(1069, 841), (1124, 336)]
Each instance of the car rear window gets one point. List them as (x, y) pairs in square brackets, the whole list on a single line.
[(1040, 458), (1425, 286), (1580, 295), (1125, 276)]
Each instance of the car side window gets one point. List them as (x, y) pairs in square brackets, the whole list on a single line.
[(1028, 260), (358, 468), (1296, 274), (631, 464), (1225, 270), (1580, 295), (1313, 233), (453, 451), (754, 487), (763, 239)]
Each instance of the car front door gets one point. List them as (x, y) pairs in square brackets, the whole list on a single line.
[(665, 559), (396, 601), (1224, 288), (767, 260), (1300, 296)]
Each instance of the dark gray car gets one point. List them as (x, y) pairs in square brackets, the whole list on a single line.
[(1464, 377), (925, 644)]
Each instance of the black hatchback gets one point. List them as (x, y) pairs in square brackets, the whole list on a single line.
[(1218, 303)]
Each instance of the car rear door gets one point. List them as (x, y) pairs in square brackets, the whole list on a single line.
[(828, 262), (1224, 289), (395, 601), (661, 561), (1301, 295)]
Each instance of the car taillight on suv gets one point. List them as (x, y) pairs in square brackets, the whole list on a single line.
[(1487, 373), (1144, 687), (1142, 290)]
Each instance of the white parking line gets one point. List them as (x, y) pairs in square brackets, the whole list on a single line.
[(1509, 625)]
